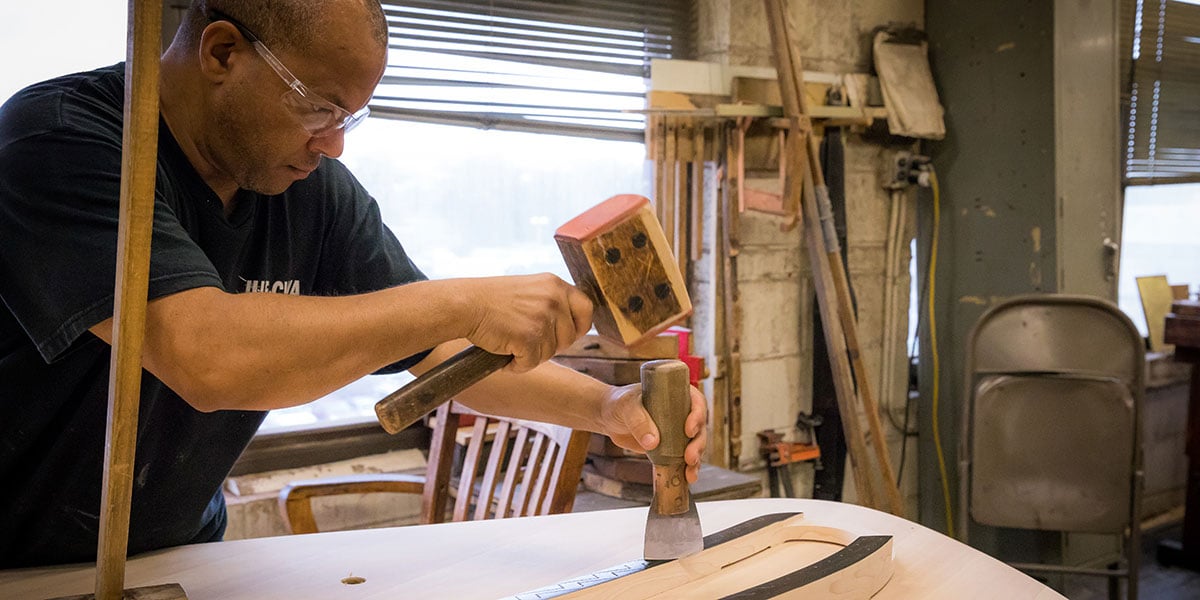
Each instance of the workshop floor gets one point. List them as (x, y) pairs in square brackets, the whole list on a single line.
[(1156, 581)]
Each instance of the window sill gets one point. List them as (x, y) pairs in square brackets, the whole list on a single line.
[(302, 446)]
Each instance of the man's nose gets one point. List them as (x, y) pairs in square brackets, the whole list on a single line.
[(331, 144)]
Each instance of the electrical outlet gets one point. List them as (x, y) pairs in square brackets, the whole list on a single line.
[(908, 169)]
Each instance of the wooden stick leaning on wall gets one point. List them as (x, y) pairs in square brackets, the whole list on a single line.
[(656, 148), (721, 338), (712, 149), (829, 275), (139, 157), (683, 215), (683, 153), (892, 309), (697, 193), (718, 422), (667, 200), (730, 241)]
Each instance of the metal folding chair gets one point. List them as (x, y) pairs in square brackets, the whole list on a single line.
[(1051, 425)]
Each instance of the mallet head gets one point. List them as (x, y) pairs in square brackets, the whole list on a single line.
[(619, 256)]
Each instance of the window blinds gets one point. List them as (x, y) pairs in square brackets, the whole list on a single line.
[(1160, 45), (572, 67)]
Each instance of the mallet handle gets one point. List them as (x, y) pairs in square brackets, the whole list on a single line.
[(404, 406)]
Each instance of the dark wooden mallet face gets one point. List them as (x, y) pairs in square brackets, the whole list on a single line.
[(619, 257), (637, 284)]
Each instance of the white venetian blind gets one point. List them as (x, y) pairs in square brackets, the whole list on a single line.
[(1160, 44), (570, 67)]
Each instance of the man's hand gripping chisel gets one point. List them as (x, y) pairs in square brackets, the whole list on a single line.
[(672, 524)]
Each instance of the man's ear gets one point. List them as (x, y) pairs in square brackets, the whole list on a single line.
[(219, 46)]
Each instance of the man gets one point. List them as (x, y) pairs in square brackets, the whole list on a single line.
[(256, 97)]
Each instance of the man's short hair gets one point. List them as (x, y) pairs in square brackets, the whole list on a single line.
[(280, 24)]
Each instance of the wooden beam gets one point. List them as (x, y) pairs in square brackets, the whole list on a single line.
[(136, 219), (731, 243)]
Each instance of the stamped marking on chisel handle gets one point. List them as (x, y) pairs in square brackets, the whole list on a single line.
[(671, 489)]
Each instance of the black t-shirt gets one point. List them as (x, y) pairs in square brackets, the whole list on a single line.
[(60, 166)]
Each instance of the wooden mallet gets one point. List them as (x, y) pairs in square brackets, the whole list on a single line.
[(618, 255)]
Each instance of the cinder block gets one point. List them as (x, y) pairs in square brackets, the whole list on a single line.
[(771, 319)]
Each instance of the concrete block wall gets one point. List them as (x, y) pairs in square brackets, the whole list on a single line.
[(774, 274)]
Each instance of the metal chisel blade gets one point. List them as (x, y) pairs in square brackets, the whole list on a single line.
[(673, 536)]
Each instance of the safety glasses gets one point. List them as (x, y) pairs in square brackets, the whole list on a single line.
[(318, 116)]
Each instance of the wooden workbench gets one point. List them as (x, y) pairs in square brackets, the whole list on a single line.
[(493, 559)]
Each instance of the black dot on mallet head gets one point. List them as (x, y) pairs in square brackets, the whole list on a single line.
[(662, 290), (612, 255), (636, 303), (639, 239)]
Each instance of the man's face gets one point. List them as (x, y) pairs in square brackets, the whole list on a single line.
[(258, 139)]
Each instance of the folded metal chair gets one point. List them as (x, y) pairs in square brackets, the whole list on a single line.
[(1051, 425)]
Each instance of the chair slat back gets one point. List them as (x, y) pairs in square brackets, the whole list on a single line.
[(470, 469), (510, 467), (437, 470), (508, 492), (492, 473), (528, 472)]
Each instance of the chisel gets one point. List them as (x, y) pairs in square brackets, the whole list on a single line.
[(672, 523)]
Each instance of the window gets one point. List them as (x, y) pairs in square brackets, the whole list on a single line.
[(57, 38), (549, 92), (1158, 238), (1160, 46), (470, 202), (527, 65)]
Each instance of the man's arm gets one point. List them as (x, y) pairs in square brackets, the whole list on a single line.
[(557, 394), (262, 351)]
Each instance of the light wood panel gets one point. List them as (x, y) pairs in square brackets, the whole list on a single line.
[(755, 559), (498, 558)]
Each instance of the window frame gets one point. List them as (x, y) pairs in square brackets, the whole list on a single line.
[(598, 37), (308, 445)]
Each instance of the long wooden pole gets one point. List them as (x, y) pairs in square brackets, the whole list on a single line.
[(845, 303), (731, 248), (140, 148), (832, 272)]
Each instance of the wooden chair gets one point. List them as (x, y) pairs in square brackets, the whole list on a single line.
[(535, 471)]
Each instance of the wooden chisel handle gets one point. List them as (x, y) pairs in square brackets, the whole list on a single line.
[(404, 406), (667, 396)]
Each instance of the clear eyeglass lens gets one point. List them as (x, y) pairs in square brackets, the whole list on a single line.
[(356, 119), (315, 116)]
